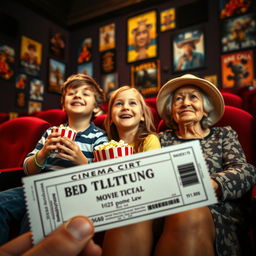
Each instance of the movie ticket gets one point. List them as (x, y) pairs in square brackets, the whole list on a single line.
[(120, 191)]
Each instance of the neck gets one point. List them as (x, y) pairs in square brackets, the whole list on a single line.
[(191, 131), (127, 136), (79, 124)]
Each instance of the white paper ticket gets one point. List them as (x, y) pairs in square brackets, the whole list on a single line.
[(121, 191)]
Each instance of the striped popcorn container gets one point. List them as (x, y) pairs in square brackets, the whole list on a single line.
[(111, 153), (64, 132)]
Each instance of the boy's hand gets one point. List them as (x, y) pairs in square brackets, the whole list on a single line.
[(50, 144), (71, 151)]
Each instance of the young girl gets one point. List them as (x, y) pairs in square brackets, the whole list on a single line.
[(130, 120)]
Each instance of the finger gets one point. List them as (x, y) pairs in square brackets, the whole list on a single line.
[(92, 249), (17, 246), (68, 240)]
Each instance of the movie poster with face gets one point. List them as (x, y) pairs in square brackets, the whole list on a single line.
[(188, 50), (109, 83), (57, 44), (142, 36), (57, 71), (86, 69), (85, 51), (237, 69), (21, 81), (36, 89), (107, 37), (7, 59), (229, 8), (20, 99), (167, 20), (146, 78), (108, 61), (30, 56), (238, 33)]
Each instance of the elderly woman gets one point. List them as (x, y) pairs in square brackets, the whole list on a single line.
[(190, 106)]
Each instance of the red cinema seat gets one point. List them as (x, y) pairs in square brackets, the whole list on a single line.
[(18, 137), (151, 102), (4, 117), (232, 99), (53, 116), (99, 121)]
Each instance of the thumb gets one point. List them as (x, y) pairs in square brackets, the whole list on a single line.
[(69, 239)]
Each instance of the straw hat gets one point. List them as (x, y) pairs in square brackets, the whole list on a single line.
[(188, 37), (207, 87)]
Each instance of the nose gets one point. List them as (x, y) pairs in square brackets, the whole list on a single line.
[(186, 101), (125, 105), (77, 94)]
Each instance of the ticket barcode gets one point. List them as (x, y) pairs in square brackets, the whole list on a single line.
[(162, 204), (188, 174)]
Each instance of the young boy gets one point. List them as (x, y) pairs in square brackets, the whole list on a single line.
[(81, 95)]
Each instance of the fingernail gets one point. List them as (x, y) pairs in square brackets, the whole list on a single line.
[(79, 228)]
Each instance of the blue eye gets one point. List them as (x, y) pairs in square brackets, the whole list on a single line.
[(118, 103), (133, 103)]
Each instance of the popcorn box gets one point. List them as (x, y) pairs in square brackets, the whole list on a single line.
[(111, 153), (65, 132), (112, 149)]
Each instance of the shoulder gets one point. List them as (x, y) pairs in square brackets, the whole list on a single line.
[(151, 142), (224, 131)]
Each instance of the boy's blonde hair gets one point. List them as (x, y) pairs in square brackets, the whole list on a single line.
[(77, 80), (146, 127)]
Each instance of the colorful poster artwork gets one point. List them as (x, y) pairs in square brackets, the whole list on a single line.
[(108, 61), (146, 78), (7, 59), (213, 79), (237, 69), (229, 8), (57, 71), (21, 81), (188, 50), (86, 69), (31, 56), (239, 33), (34, 106), (57, 44), (36, 89), (167, 20), (85, 51), (109, 83), (107, 37), (142, 37)]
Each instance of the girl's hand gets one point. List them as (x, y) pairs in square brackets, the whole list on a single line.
[(71, 151)]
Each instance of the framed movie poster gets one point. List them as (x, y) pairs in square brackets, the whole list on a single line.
[(167, 19), (86, 68), (7, 59), (142, 36), (108, 61), (21, 81), (189, 49), (229, 8), (146, 78), (31, 56), (57, 71), (57, 44), (34, 106), (107, 37), (213, 79), (237, 69), (85, 51), (109, 83), (20, 99), (238, 33), (36, 89)]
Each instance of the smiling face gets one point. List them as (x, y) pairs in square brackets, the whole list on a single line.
[(126, 112), (79, 100), (142, 36), (187, 105)]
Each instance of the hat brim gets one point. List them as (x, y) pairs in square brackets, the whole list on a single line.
[(207, 87), (194, 41)]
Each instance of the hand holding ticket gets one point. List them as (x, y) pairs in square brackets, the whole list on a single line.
[(120, 191)]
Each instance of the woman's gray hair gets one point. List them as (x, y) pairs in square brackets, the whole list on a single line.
[(208, 106)]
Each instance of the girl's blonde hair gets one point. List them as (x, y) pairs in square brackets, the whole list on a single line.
[(146, 127)]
